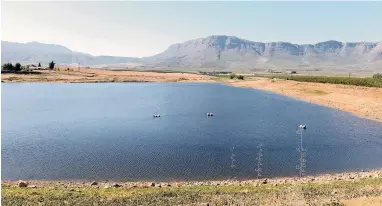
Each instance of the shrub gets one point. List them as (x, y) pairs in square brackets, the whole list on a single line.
[(377, 76), (241, 77), (51, 65), (232, 76)]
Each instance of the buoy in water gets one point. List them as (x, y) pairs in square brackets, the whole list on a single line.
[(302, 126)]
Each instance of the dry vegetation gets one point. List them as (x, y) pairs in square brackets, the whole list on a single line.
[(374, 81), (362, 188)]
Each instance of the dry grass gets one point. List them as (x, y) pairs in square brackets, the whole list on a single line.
[(335, 192)]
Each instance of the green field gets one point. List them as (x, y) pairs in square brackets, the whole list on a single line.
[(357, 81)]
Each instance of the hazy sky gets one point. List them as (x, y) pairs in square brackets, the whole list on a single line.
[(145, 28)]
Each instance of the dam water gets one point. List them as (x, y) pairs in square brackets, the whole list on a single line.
[(106, 131)]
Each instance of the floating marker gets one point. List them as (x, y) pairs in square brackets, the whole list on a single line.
[(302, 126)]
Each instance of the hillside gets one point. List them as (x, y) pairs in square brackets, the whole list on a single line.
[(219, 53), (230, 52)]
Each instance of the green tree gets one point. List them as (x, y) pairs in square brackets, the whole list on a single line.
[(51, 65), (7, 66), (232, 76), (240, 77), (17, 67)]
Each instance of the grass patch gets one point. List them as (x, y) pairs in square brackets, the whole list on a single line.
[(140, 196), (314, 91), (192, 195)]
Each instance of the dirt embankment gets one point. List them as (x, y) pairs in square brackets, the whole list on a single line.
[(362, 101), (357, 188), (98, 75)]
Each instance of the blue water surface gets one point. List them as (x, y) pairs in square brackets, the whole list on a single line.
[(106, 131)]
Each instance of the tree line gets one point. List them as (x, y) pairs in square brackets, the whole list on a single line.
[(18, 67)]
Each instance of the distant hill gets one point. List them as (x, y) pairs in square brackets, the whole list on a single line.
[(219, 53), (35, 52)]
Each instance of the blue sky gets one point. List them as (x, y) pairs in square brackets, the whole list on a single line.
[(145, 28)]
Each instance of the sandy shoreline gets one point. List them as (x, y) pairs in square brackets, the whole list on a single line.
[(320, 178), (362, 101)]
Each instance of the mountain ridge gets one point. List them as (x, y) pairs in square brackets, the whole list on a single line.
[(219, 52)]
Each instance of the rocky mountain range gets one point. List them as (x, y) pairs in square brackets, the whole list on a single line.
[(218, 53)]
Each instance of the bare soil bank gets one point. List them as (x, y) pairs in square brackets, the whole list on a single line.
[(98, 75), (362, 101)]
